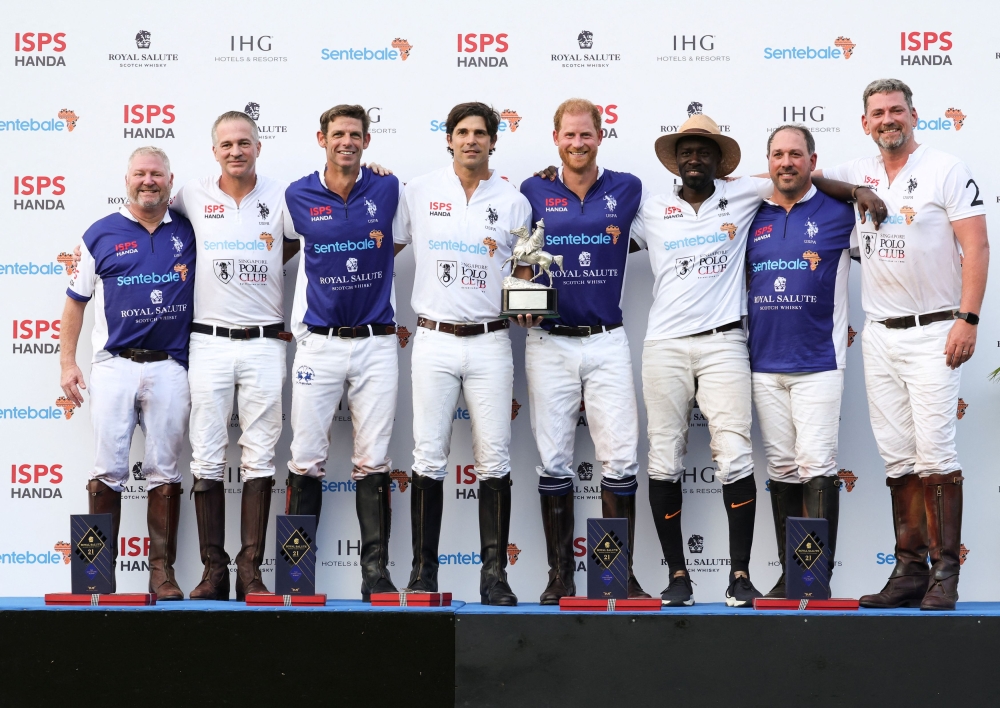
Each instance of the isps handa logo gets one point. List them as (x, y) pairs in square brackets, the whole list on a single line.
[(488, 51), (39, 49)]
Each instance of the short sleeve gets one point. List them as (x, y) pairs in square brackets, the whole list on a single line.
[(841, 172), (960, 195), (762, 185), (638, 230), (401, 224), (178, 202), (287, 225), (84, 280)]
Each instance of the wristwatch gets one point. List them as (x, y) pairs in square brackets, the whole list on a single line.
[(854, 192), (971, 317)]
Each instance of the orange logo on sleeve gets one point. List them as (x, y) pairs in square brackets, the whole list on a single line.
[(378, 236), (268, 239), (615, 233), (813, 259), (730, 229), (492, 244)]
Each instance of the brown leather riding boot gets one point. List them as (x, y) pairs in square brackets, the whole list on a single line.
[(102, 499), (943, 502), (908, 582), (253, 528), (162, 516), (210, 509)]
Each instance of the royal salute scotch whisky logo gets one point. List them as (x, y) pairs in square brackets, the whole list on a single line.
[(962, 406), (266, 131), (403, 335), (696, 543), (513, 552), (586, 59), (585, 471), (401, 479), (848, 478), (130, 59)]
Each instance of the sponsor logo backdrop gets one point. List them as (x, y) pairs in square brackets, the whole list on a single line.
[(84, 89)]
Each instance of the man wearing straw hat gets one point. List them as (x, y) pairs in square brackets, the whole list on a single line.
[(695, 341)]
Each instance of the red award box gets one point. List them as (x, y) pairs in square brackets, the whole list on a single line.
[(136, 599), (411, 599), (584, 604), (841, 603), (270, 599)]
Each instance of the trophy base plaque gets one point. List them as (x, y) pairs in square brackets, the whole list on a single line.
[(125, 599), (537, 301), (411, 599), (837, 603), (585, 604), (270, 599)]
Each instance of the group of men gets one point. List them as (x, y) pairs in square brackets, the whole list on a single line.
[(208, 270)]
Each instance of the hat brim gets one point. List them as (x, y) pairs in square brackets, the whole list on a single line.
[(666, 151)]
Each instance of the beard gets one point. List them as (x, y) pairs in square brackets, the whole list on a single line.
[(590, 159), (794, 187), (698, 183), (147, 199), (892, 144)]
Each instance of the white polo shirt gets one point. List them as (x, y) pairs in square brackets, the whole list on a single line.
[(239, 279), (459, 247), (912, 264), (697, 258)]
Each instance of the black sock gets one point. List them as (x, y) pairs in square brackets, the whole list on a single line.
[(665, 499), (740, 498)]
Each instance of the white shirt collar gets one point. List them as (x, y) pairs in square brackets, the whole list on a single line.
[(805, 198), (322, 178), (124, 211)]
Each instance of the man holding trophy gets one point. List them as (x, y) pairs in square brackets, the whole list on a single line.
[(583, 352)]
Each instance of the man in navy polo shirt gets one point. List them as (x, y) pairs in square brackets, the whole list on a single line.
[(343, 321), (584, 353), (140, 264), (798, 258)]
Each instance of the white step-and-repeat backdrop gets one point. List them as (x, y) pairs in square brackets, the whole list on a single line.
[(83, 85)]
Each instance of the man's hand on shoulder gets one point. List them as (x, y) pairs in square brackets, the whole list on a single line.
[(869, 203), (550, 173), (377, 169)]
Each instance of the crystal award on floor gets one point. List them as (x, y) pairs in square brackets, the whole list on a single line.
[(526, 297)]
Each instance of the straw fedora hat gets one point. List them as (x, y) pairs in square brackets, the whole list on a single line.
[(699, 125)]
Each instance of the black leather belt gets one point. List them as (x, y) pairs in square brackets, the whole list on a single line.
[(275, 331), (463, 330), (583, 331), (143, 356), (914, 320), (354, 332), (738, 324)]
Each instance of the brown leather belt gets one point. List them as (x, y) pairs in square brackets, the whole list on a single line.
[(275, 331), (143, 356), (584, 331), (738, 324), (914, 320), (354, 332), (463, 330)]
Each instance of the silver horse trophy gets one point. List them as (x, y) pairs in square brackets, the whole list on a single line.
[(524, 297)]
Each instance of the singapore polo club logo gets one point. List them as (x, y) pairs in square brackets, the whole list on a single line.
[(224, 269), (684, 265), (446, 272)]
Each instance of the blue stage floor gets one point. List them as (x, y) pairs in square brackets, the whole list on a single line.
[(965, 609)]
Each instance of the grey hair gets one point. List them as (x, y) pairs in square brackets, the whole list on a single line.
[(149, 150), (888, 86), (234, 115), (810, 141)]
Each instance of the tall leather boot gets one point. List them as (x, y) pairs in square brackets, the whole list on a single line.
[(375, 518), (254, 511), (162, 516), (620, 506), (426, 507), (821, 500), (304, 495), (102, 499), (786, 500), (494, 535), (210, 510), (907, 584), (943, 502), (557, 520)]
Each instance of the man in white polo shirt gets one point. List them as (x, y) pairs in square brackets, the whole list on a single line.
[(923, 277), (238, 342), (459, 220), (695, 341)]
